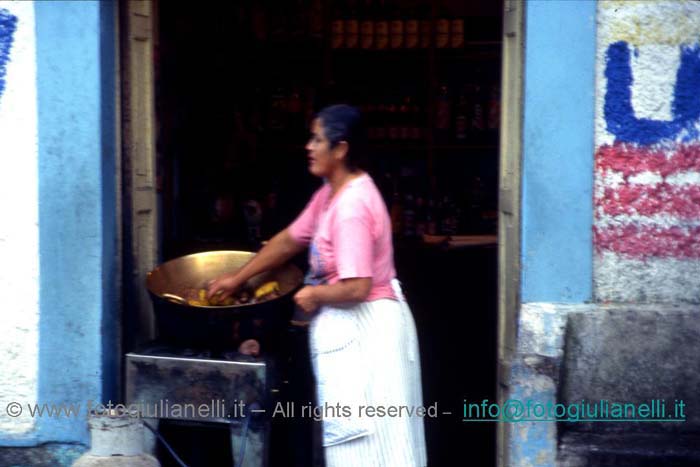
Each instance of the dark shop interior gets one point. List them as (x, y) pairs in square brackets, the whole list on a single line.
[(237, 84)]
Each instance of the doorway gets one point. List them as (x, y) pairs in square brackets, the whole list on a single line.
[(235, 87)]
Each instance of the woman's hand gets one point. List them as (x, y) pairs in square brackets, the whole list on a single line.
[(222, 287), (353, 290), (249, 347), (306, 299)]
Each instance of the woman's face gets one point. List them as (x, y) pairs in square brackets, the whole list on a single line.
[(322, 159)]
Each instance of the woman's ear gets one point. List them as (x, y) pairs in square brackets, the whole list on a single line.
[(340, 151)]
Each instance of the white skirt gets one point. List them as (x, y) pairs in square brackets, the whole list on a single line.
[(367, 369)]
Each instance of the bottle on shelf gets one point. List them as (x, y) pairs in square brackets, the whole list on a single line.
[(367, 25), (438, 217), (421, 216), (494, 108), (412, 27), (386, 188), (396, 28), (370, 117), (392, 124), (299, 15), (461, 117), (476, 204), (431, 218), (309, 104), (425, 27), (258, 17), (442, 114), (404, 123), (279, 27), (442, 28), (408, 227), (416, 125), (295, 112), (276, 117), (337, 29), (316, 21), (396, 212), (457, 33), (252, 212), (256, 120), (477, 113), (381, 26), (352, 27), (448, 217), (380, 129)]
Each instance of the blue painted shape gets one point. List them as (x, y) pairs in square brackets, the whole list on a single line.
[(8, 26), (557, 164), (619, 114), (532, 443), (78, 301)]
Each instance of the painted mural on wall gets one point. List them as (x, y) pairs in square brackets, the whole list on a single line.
[(8, 25), (647, 160)]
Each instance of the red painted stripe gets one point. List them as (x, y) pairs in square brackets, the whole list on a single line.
[(631, 159), (647, 200), (645, 241)]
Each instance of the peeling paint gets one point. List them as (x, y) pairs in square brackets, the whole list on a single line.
[(541, 327), (543, 457), (630, 159), (660, 280), (533, 443), (643, 22)]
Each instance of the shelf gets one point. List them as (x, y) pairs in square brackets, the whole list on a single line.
[(466, 147), (468, 56), (388, 54), (472, 50), (438, 147), (269, 54), (288, 58), (467, 45), (398, 146)]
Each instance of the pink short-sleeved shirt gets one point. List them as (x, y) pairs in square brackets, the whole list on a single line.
[(348, 236)]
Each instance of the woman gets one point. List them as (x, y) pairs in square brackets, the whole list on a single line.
[(363, 338)]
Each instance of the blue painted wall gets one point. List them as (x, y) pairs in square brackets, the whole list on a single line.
[(557, 165), (557, 187), (77, 226)]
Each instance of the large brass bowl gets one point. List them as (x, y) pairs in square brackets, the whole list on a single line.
[(211, 325), (195, 271)]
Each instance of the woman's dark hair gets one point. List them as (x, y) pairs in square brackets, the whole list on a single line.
[(343, 122)]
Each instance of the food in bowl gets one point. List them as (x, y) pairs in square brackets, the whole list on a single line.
[(265, 292)]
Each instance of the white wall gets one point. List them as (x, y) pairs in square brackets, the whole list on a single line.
[(19, 233)]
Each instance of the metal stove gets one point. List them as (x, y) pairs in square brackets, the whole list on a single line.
[(167, 382)]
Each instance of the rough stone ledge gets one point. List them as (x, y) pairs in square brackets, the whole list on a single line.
[(629, 354), (629, 450), (44, 455), (620, 352)]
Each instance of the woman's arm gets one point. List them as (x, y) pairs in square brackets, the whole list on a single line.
[(344, 291), (278, 251)]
